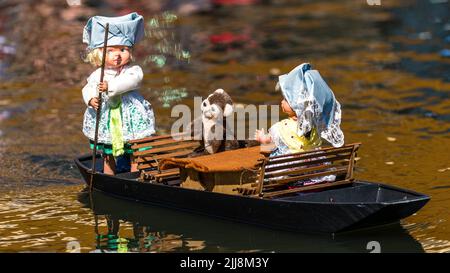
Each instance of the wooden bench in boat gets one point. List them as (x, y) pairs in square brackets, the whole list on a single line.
[(278, 174), (275, 177), (149, 151)]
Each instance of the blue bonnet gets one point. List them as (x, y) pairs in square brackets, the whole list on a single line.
[(313, 102), (124, 30)]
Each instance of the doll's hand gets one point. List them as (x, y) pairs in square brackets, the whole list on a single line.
[(259, 134), (261, 137), (94, 103), (103, 86)]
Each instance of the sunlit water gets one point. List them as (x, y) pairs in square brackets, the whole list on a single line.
[(385, 64)]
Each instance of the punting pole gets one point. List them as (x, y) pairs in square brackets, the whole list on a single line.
[(97, 118)]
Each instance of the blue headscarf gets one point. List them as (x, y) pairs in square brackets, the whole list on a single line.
[(313, 102), (124, 30)]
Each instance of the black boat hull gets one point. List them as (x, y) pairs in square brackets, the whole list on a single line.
[(329, 214), (232, 237)]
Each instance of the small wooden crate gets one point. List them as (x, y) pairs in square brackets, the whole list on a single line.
[(237, 182)]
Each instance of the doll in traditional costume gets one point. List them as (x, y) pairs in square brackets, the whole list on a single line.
[(125, 114), (313, 114)]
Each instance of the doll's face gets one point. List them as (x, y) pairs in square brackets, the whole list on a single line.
[(287, 108), (117, 56)]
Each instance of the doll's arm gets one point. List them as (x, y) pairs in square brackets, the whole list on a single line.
[(129, 80), (90, 89)]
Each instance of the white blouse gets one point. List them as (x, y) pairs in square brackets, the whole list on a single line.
[(129, 79)]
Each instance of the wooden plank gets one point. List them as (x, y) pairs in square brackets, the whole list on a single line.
[(163, 175), (283, 181), (288, 165), (143, 159), (163, 172), (328, 149), (148, 159), (148, 139), (153, 138), (145, 162), (350, 165), (306, 188), (261, 176), (288, 158), (292, 157), (160, 143), (146, 166), (166, 149), (296, 171)]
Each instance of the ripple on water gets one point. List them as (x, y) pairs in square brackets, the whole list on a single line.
[(39, 220)]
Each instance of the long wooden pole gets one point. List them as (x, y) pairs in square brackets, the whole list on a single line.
[(97, 118)]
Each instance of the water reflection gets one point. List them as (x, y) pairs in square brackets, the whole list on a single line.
[(134, 227), (143, 239)]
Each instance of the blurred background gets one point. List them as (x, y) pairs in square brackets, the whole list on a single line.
[(388, 65)]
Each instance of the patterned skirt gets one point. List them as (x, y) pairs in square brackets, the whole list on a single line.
[(138, 119)]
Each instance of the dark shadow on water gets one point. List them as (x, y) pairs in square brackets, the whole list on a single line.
[(151, 224)]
